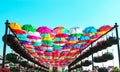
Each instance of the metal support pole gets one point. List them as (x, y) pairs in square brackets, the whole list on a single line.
[(92, 63), (118, 46), (4, 48), (92, 60), (68, 69)]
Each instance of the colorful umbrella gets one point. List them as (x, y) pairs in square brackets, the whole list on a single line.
[(19, 31), (105, 28), (15, 26), (59, 46), (60, 30), (33, 35), (75, 30), (22, 37), (84, 38), (44, 30), (28, 27), (90, 29)]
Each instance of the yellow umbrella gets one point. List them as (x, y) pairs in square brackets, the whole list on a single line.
[(15, 26)]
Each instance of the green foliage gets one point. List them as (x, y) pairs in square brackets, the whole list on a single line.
[(116, 69), (13, 58)]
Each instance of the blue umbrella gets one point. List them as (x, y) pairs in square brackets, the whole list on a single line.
[(76, 46), (90, 29), (72, 38), (84, 38)]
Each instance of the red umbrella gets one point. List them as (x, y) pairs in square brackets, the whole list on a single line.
[(19, 31), (105, 28)]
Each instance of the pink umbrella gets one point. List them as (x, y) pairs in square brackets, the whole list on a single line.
[(44, 29)]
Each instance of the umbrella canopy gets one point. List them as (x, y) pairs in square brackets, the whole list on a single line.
[(105, 28), (15, 26), (28, 27), (19, 31), (60, 30), (90, 29), (59, 46), (44, 29), (75, 30)]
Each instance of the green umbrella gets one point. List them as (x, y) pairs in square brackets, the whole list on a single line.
[(28, 27)]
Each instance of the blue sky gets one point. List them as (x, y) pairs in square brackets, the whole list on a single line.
[(53, 13)]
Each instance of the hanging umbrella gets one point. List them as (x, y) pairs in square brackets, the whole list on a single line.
[(75, 30), (40, 52), (28, 27), (34, 36), (34, 54), (105, 28), (56, 53), (72, 39), (96, 36), (61, 35), (37, 34), (36, 43), (75, 33), (74, 50), (84, 38), (47, 39), (76, 46), (47, 42), (44, 29), (60, 30), (57, 47), (19, 31), (15, 26), (38, 48), (60, 41), (49, 49), (66, 48), (22, 37), (90, 29), (27, 46), (48, 53), (64, 53), (46, 35)]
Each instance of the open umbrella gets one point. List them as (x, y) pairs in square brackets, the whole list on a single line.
[(15, 26), (105, 28), (44, 29), (61, 34), (75, 30), (28, 27), (90, 29), (60, 30), (22, 37), (34, 36), (47, 39)]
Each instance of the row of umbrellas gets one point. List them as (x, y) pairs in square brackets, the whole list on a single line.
[(58, 46)]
